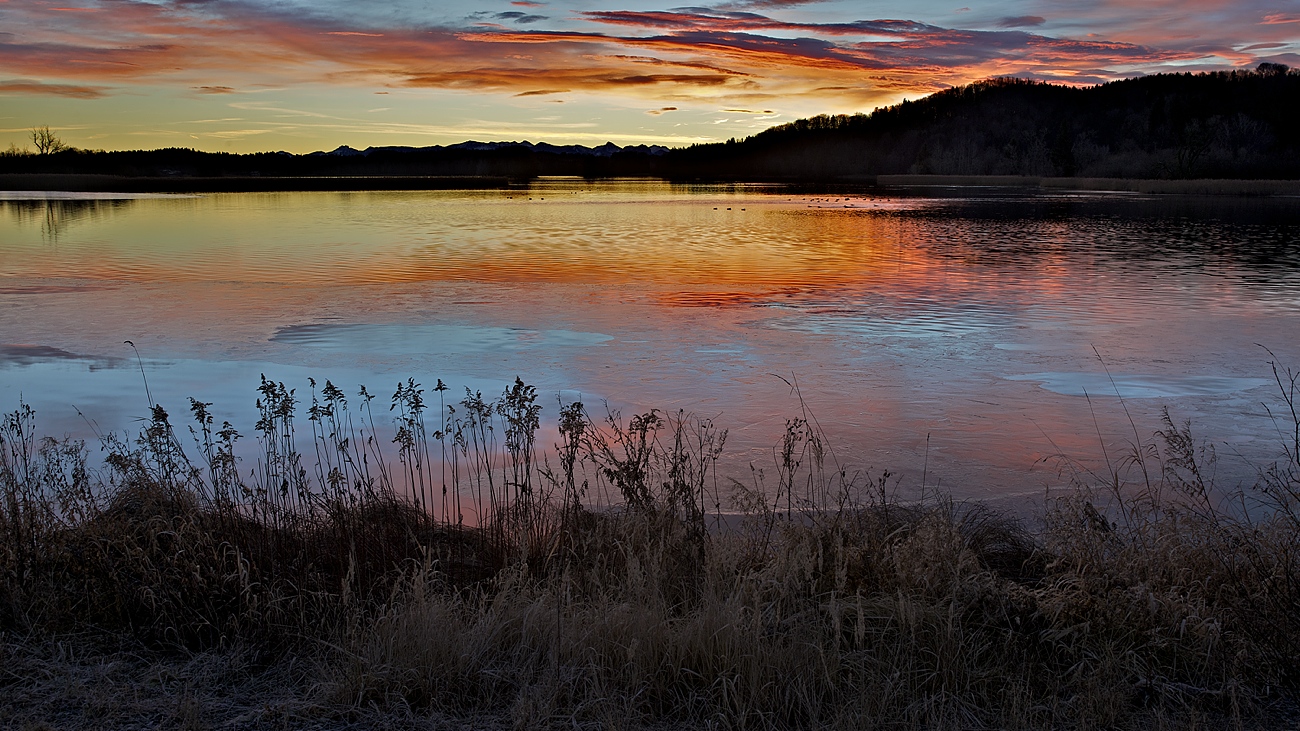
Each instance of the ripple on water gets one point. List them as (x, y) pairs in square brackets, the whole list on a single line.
[(1138, 386), (844, 322)]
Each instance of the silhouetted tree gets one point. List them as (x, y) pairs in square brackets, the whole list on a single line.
[(47, 143)]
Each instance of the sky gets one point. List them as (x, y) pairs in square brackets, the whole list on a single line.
[(305, 75)]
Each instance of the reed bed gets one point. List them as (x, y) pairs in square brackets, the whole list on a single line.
[(463, 575)]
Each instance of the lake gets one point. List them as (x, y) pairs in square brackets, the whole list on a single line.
[(960, 339)]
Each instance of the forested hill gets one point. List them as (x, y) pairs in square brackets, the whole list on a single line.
[(1238, 124)]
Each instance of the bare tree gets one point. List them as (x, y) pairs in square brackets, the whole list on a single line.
[(47, 143)]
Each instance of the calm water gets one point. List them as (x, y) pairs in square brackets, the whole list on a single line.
[(954, 335)]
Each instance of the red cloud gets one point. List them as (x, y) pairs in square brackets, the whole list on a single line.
[(734, 57)]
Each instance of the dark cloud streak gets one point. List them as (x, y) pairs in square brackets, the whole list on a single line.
[(1021, 21), (74, 91), (518, 17)]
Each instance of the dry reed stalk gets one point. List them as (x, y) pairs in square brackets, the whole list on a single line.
[(827, 603)]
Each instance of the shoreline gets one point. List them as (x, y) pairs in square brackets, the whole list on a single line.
[(94, 183), (1196, 186), (87, 183)]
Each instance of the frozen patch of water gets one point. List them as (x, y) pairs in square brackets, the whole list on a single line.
[(23, 355), (430, 339)]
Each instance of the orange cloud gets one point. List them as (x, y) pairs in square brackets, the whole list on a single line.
[(728, 55)]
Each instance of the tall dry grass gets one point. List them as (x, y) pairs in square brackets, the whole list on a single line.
[(464, 571)]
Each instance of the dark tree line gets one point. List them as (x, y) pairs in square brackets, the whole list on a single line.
[(1238, 124), (511, 162), (1233, 124)]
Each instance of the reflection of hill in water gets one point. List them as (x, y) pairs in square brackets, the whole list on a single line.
[(1256, 240), (56, 216)]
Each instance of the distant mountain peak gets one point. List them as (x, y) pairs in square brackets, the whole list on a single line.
[(341, 151), (608, 149)]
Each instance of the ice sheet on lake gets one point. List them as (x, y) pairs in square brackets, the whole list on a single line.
[(17, 354), (400, 339), (1138, 386)]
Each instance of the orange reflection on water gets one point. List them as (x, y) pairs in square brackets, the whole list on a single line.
[(648, 236), (900, 319)]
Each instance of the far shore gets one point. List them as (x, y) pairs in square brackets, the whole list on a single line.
[(82, 183), (86, 183), (1204, 186)]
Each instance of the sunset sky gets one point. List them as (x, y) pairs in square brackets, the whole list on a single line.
[(303, 75)]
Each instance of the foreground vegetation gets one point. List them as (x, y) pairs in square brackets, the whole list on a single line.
[(477, 580)]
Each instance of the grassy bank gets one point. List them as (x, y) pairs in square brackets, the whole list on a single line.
[(464, 578)]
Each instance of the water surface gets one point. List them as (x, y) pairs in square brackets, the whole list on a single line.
[(969, 337)]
